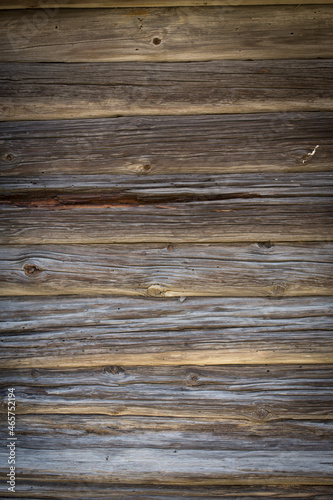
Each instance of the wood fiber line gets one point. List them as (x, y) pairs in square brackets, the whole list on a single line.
[(42, 91), (83, 331), (149, 146), (169, 34)]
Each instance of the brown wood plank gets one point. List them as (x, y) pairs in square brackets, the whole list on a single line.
[(83, 331), (169, 34), (41, 91), (107, 220), (38, 490), (211, 144), (164, 270)]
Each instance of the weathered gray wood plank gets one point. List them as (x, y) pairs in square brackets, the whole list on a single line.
[(250, 433), (280, 142), (146, 465), (65, 191), (80, 331), (35, 91), (166, 270), (252, 395), (170, 34)]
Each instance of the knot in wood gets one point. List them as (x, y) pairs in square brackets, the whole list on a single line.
[(115, 370), (265, 244), (156, 291), (260, 414), (32, 270), (278, 290)]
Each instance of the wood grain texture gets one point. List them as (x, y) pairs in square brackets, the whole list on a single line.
[(177, 433), (83, 331), (215, 144), (169, 34), (228, 424), (109, 220), (250, 395), (165, 270), (146, 465), (41, 91), (32, 490)]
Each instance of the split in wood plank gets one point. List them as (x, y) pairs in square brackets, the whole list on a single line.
[(41, 91), (169, 34), (145, 146)]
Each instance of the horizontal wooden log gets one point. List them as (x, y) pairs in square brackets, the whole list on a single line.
[(38, 91), (54, 432), (260, 269), (74, 4), (278, 142), (203, 467), (110, 219), (32, 490), (82, 331), (254, 395), (69, 191), (169, 34)]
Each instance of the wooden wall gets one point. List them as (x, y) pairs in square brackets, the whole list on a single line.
[(166, 248)]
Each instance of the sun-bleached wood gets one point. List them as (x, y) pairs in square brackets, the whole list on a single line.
[(83, 331), (215, 144), (35, 91), (167, 270), (169, 34)]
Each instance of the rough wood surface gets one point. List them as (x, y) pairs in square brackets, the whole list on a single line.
[(250, 432), (107, 220), (250, 395), (41, 91), (169, 34), (146, 465), (261, 269), (280, 142), (80, 331), (227, 423), (33, 490), (65, 191)]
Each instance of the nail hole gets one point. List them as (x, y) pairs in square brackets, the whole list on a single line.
[(156, 41), (147, 167)]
